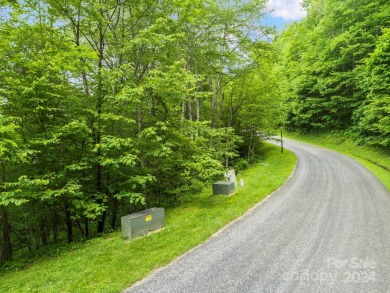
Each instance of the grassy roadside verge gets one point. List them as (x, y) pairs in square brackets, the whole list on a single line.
[(375, 160), (109, 264)]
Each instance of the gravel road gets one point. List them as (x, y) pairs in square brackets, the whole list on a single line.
[(326, 230)]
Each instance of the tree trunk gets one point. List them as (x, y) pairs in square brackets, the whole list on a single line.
[(139, 118), (213, 104), (190, 118), (197, 109), (114, 213), (99, 105), (7, 246), (43, 231), (101, 222), (55, 226), (86, 228), (81, 228), (69, 227)]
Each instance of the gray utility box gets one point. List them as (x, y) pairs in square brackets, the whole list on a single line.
[(223, 187), (141, 223)]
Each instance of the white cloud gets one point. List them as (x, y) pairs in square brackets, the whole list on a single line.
[(287, 9)]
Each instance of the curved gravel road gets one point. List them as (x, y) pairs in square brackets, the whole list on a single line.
[(326, 230)]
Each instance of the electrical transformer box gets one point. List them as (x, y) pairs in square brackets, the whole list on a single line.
[(223, 187), (143, 222)]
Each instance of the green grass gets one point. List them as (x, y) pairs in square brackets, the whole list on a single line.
[(110, 264), (375, 160)]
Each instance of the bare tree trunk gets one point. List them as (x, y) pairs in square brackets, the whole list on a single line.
[(183, 114), (114, 213), (55, 226), (76, 33), (197, 105), (139, 118), (214, 100), (190, 118), (43, 231), (101, 223), (99, 105), (69, 227), (7, 245), (197, 109), (86, 228)]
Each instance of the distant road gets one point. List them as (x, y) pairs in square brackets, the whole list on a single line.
[(326, 230)]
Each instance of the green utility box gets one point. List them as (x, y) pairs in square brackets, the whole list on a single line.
[(141, 223), (223, 187)]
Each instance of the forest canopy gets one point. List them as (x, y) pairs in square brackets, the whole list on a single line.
[(335, 68), (108, 107)]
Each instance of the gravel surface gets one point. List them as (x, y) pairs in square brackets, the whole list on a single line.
[(326, 230)]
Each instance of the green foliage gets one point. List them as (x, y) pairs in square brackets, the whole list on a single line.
[(331, 67), (110, 264), (374, 122), (11, 152), (241, 165), (123, 105)]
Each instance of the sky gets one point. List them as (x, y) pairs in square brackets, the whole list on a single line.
[(284, 12)]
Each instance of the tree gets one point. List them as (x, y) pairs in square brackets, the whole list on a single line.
[(11, 152), (324, 70), (126, 104), (374, 122)]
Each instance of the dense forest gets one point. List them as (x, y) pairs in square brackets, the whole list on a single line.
[(108, 107), (111, 106), (335, 69)]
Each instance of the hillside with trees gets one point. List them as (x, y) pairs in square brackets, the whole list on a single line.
[(108, 107), (335, 70)]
